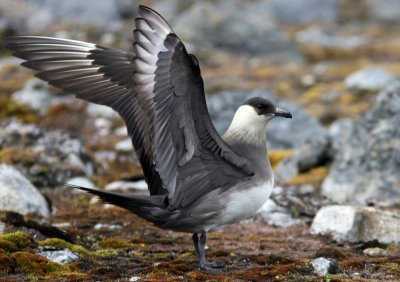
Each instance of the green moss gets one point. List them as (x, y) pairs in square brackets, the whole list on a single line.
[(20, 239), (10, 108), (60, 243), (8, 246), (108, 252), (39, 266), (114, 243)]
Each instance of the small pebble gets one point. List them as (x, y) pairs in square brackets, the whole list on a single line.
[(375, 252)]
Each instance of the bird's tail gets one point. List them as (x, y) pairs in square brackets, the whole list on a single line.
[(151, 208)]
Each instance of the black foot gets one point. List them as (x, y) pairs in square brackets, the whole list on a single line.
[(212, 267)]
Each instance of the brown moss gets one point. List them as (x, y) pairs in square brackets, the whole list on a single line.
[(352, 263), (114, 243), (8, 246), (220, 253), (329, 252), (10, 108), (12, 155), (197, 275), (20, 239), (60, 243), (12, 78), (39, 266), (276, 156), (138, 241), (6, 264), (270, 259), (101, 270)]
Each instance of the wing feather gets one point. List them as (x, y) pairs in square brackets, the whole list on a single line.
[(158, 91)]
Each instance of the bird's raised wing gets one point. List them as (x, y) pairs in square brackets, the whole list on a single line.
[(159, 92), (97, 74)]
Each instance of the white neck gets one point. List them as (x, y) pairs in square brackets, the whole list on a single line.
[(248, 127)]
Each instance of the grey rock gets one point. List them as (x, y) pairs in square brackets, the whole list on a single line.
[(2, 227), (310, 155), (95, 110), (126, 185), (276, 215), (305, 11), (287, 169), (35, 16), (323, 266), (375, 252), (81, 181), (369, 79), (54, 156), (367, 159), (61, 256), (19, 195), (384, 10), (340, 128), (99, 226), (357, 224), (203, 25), (124, 145), (287, 134), (316, 36), (35, 94)]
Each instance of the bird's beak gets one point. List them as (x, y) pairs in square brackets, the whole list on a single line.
[(282, 113)]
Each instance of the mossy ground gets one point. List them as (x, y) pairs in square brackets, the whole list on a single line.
[(250, 251)]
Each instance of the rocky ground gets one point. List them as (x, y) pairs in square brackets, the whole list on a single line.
[(335, 212)]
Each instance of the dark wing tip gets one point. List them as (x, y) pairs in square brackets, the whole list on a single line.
[(79, 187)]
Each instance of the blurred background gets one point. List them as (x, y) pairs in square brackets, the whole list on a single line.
[(333, 63)]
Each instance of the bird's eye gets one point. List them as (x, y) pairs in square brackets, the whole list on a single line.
[(260, 106)]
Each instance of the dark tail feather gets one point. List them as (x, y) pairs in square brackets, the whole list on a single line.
[(138, 204)]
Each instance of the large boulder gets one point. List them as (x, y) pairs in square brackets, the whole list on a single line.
[(19, 195), (357, 224), (281, 133), (367, 159)]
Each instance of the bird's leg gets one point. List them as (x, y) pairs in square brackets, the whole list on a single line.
[(202, 253), (195, 239)]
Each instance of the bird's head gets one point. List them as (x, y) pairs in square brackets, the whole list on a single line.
[(250, 120)]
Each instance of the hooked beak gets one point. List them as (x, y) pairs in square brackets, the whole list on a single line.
[(282, 113)]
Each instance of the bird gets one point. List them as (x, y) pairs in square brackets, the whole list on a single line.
[(198, 180)]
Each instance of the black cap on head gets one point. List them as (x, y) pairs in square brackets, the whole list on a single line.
[(264, 107)]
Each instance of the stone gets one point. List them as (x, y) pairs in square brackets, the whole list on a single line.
[(2, 227), (234, 29), (375, 252), (81, 181), (62, 256), (387, 11), (315, 36), (124, 145), (288, 134), (368, 79), (357, 224), (275, 215), (305, 11), (367, 155), (19, 195), (47, 157), (310, 155), (100, 111), (126, 185), (35, 94), (323, 266)]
